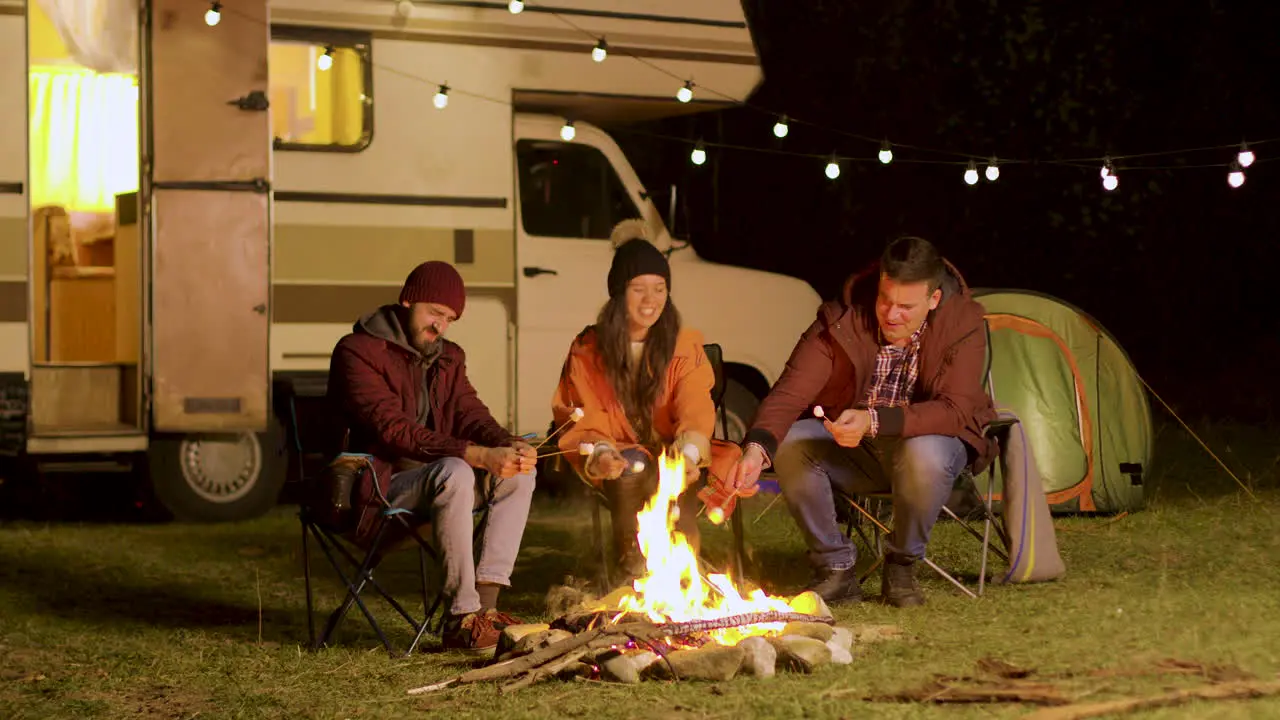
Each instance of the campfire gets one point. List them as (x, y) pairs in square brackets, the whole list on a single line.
[(671, 623)]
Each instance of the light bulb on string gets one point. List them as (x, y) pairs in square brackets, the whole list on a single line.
[(515, 6), (441, 100), (1109, 180), (886, 154), (1236, 177), (1245, 158), (213, 15), (685, 94), (325, 61), (780, 128), (699, 154), (833, 168), (971, 173), (567, 132), (993, 170), (600, 51)]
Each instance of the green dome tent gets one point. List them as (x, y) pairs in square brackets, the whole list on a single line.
[(1078, 396)]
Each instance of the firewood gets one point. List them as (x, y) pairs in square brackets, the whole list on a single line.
[(608, 634), (514, 667), (548, 670)]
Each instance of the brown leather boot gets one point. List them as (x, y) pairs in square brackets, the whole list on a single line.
[(898, 586), (627, 496)]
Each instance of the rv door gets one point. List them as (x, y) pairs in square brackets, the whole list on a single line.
[(210, 213)]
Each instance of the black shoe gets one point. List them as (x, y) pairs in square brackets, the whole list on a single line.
[(836, 585), (898, 585)]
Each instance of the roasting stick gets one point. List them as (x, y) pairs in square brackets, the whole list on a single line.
[(574, 417), (587, 449), (818, 412)]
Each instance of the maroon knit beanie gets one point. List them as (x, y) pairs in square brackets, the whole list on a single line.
[(435, 281)]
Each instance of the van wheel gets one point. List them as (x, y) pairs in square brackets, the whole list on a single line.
[(218, 477), (740, 406)]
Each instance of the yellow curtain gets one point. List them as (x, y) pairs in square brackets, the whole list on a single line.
[(84, 138), (313, 106)]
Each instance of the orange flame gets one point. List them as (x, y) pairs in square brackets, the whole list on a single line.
[(673, 589)]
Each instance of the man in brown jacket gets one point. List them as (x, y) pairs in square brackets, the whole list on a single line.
[(403, 390), (896, 365)]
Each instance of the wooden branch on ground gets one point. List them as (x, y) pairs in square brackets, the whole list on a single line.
[(1224, 691), (548, 670)]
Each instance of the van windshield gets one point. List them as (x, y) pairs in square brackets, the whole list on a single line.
[(570, 190)]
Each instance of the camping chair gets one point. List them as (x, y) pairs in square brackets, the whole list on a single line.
[(601, 501), (325, 515), (871, 508)]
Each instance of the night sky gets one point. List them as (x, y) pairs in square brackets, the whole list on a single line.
[(1178, 265)]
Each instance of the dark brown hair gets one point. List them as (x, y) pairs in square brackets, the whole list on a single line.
[(911, 260), (636, 388)]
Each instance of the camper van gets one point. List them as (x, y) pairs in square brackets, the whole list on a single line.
[(198, 199)]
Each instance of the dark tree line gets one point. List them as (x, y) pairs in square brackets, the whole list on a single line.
[(1178, 265)]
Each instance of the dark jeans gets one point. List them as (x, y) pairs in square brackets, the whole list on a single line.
[(628, 495), (920, 471)]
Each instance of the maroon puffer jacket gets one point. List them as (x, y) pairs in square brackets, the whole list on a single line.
[(375, 381)]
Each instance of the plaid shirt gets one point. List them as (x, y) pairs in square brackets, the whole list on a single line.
[(892, 382), (894, 377)]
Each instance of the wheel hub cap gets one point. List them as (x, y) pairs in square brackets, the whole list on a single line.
[(221, 469)]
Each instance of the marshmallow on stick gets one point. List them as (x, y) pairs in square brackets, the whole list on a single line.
[(819, 412), (574, 417)]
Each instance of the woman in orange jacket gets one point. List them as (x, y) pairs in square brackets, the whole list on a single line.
[(644, 385)]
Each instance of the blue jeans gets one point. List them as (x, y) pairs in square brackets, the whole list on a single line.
[(920, 472), (447, 491)]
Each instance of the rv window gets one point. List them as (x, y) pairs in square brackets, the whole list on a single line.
[(321, 89), (570, 190)]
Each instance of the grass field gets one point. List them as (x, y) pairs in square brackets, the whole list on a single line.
[(112, 619)]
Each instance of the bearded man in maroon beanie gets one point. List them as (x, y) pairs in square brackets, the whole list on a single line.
[(403, 392)]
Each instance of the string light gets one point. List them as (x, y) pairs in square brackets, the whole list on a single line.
[(1109, 180), (1245, 158), (993, 170), (780, 128), (1236, 177), (833, 168), (699, 154)]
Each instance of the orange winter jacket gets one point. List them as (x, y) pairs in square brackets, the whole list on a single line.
[(684, 411)]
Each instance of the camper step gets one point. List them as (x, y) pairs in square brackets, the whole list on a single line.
[(104, 429), (83, 466)]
